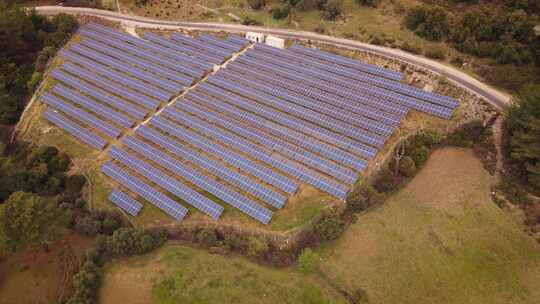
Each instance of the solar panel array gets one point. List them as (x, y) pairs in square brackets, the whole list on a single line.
[(125, 202), (246, 137)]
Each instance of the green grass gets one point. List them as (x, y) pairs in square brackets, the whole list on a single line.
[(195, 276), (439, 240)]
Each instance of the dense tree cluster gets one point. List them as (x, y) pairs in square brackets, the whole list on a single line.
[(507, 36), (27, 41), (524, 130)]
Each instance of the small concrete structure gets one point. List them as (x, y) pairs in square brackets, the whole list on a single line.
[(275, 41), (255, 37)]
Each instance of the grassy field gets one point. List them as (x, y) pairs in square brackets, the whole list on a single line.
[(181, 274), (439, 240)]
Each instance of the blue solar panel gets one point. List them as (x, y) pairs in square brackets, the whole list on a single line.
[(106, 84), (344, 61), (137, 61), (305, 104), (266, 125), (75, 130), (168, 183), (184, 60), (231, 197), (238, 40), (219, 42), (205, 47), (120, 78), (132, 71), (316, 96), (80, 115), (329, 136), (273, 198), (251, 131), (95, 92), (163, 61), (125, 202), (144, 190), (89, 104), (356, 97), (214, 59)]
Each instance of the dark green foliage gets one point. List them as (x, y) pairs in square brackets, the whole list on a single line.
[(256, 4), (30, 169), (430, 22), (467, 135), (523, 125), (250, 21), (140, 3), (407, 167), (371, 3), (86, 283), (129, 241), (332, 9), (281, 11), (329, 225), (436, 53), (26, 43), (362, 198), (26, 218), (386, 181)]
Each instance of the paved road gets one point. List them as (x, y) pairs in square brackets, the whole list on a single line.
[(496, 98)]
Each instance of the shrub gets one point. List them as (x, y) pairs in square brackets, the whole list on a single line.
[(309, 261), (430, 22), (436, 53), (371, 3), (406, 46), (280, 12), (419, 155), (250, 21), (362, 198), (407, 167), (207, 237), (256, 4), (332, 9), (256, 247), (86, 283), (386, 181), (329, 225)]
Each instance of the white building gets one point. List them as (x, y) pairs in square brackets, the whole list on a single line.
[(255, 37), (275, 41)]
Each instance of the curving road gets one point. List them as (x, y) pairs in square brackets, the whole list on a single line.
[(496, 98)]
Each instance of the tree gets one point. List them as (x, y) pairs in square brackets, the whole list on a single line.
[(332, 9), (309, 261), (256, 4), (26, 218), (329, 225), (430, 22), (257, 247), (407, 167), (524, 130)]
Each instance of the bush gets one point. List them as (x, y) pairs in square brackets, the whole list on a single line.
[(309, 261), (332, 9), (207, 237), (419, 155), (256, 247), (256, 4), (250, 21), (280, 12), (407, 167), (386, 181), (371, 3), (430, 22), (406, 46), (328, 226), (362, 198), (436, 53), (86, 283)]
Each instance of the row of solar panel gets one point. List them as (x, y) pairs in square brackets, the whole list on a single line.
[(265, 109), (134, 184), (234, 141), (351, 86), (125, 202), (227, 195), (382, 82), (350, 97), (320, 99), (248, 185), (235, 121), (303, 103), (441, 99), (184, 59), (74, 129), (268, 126)]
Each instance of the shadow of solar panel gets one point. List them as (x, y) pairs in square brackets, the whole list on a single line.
[(125, 202), (144, 190), (74, 129)]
